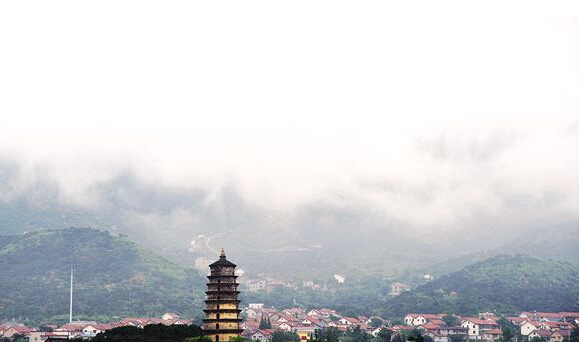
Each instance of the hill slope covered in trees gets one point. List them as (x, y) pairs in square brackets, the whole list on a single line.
[(502, 284), (113, 277)]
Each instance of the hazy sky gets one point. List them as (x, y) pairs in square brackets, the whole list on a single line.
[(425, 116)]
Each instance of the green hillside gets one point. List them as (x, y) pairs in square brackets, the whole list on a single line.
[(502, 284), (114, 277)]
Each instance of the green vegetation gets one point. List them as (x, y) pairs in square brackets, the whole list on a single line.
[(504, 284), (451, 320), (152, 333), (284, 336), (265, 323), (114, 277)]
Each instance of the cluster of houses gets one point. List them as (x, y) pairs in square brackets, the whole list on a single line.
[(548, 326), (83, 329), (302, 322)]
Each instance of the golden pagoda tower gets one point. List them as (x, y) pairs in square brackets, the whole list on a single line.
[(222, 320)]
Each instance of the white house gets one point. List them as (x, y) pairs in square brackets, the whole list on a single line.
[(251, 312), (169, 316), (437, 337), (284, 326), (529, 327), (473, 329)]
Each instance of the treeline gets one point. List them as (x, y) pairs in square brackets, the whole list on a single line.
[(150, 333), (502, 284), (114, 278)]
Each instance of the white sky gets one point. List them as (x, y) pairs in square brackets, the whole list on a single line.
[(297, 101)]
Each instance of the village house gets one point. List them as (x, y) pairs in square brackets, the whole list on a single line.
[(348, 321), (263, 335), (170, 316), (542, 334), (419, 319), (476, 327), (17, 330), (491, 335), (528, 327), (569, 317), (560, 335), (437, 337), (542, 316), (94, 329), (305, 333)]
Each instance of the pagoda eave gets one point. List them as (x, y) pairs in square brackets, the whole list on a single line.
[(218, 320), (222, 331)]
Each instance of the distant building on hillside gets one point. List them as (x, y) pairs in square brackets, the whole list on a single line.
[(222, 320)]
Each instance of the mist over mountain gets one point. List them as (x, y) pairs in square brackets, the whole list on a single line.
[(314, 240), (385, 144)]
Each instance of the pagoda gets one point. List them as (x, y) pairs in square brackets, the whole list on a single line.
[(222, 320)]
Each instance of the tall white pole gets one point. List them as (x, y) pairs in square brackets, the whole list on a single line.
[(71, 279)]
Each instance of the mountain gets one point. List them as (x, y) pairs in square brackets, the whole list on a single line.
[(315, 240), (113, 277), (502, 283)]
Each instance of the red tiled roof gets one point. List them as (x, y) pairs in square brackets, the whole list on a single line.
[(492, 332), (430, 326), (479, 321), (542, 333), (22, 329), (563, 332), (429, 316), (570, 314)]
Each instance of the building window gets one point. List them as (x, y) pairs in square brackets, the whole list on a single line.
[(217, 307), (217, 326), (216, 337), (217, 316)]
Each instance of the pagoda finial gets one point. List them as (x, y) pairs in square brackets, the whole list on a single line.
[(222, 252)]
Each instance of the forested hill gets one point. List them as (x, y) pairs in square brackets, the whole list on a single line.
[(502, 284), (113, 277)]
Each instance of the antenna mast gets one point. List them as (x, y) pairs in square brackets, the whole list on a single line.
[(71, 280)]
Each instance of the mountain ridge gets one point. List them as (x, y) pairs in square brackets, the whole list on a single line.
[(113, 277)]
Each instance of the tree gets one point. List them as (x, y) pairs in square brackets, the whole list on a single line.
[(507, 334), (450, 320), (398, 337), (416, 338), (356, 335), (236, 339), (330, 334), (151, 333), (198, 339), (19, 338), (284, 336), (385, 335), (375, 322), (456, 338)]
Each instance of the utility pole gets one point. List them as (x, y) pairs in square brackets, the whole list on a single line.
[(71, 282)]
